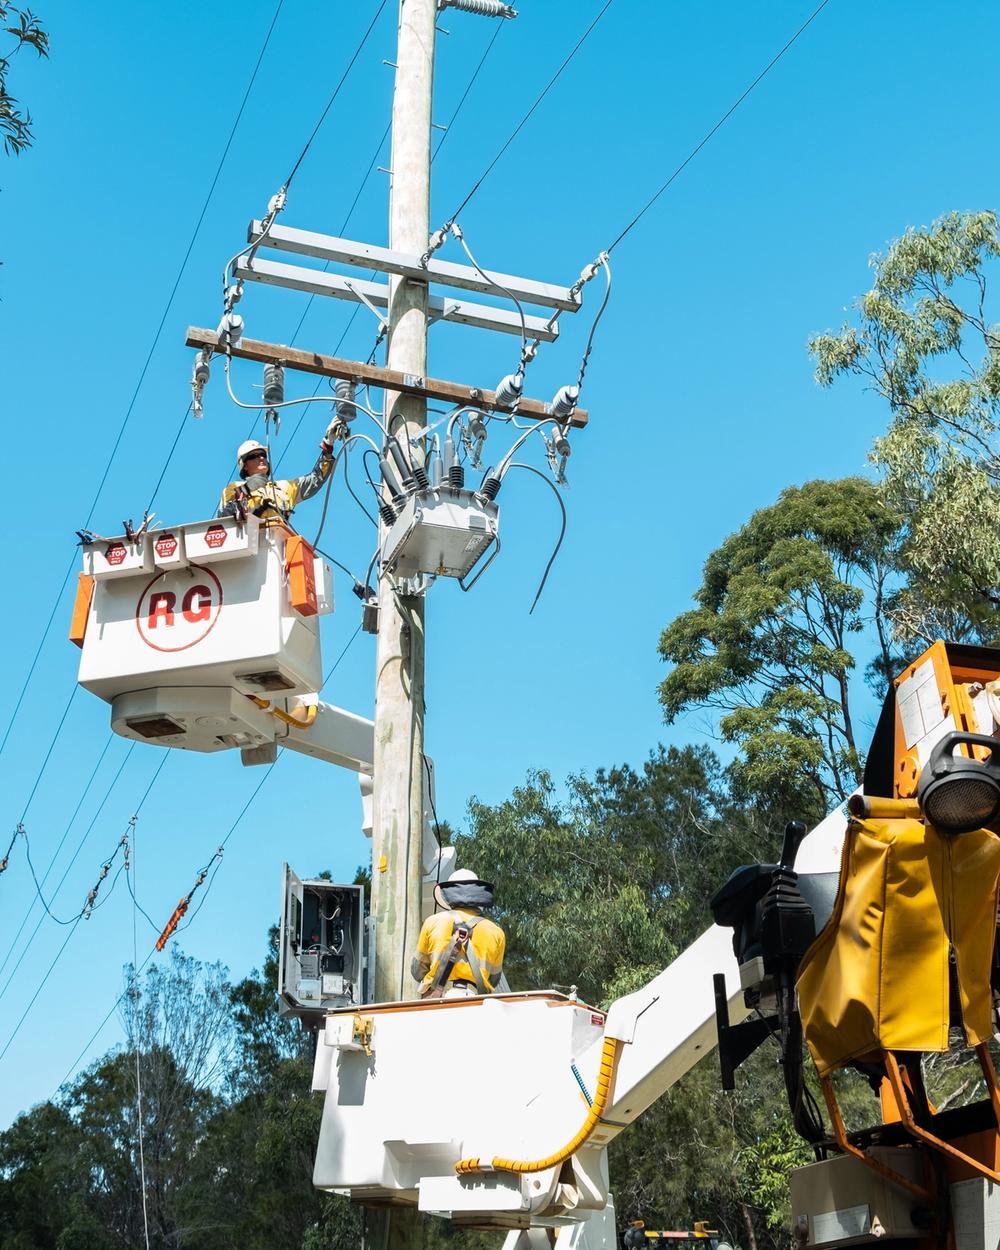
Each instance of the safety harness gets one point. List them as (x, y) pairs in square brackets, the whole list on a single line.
[(460, 947)]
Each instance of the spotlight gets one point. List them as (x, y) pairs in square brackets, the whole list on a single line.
[(957, 793)]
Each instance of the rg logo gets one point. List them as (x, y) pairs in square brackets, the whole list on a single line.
[(175, 612)]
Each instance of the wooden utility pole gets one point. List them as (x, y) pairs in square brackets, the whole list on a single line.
[(399, 672), (399, 668)]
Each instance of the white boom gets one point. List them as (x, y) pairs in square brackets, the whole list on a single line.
[(392, 1132)]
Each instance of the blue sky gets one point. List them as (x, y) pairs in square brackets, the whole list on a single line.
[(700, 390)]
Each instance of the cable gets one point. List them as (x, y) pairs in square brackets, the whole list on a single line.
[(336, 92), (482, 61), (55, 892), (354, 496), (232, 828), (170, 455), (48, 753), (145, 368), (135, 902), (41, 984), (457, 232), (39, 987), (20, 959), (562, 532), (718, 125), (172, 924), (138, 1079), (520, 125), (38, 652), (593, 329)]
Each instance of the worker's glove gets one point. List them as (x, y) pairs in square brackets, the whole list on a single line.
[(336, 429)]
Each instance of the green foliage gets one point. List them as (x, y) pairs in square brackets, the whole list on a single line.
[(27, 31), (926, 344), (601, 888), (600, 883), (768, 646)]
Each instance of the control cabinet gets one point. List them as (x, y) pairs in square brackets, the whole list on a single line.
[(322, 957)]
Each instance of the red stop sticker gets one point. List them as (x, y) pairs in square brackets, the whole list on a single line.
[(115, 554), (215, 536), (166, 545)]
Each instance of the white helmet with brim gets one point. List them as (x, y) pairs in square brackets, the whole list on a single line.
[(249, 448), (463, 889)]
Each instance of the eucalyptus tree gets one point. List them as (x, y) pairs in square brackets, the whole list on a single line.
[(925, 341), (769, 646)]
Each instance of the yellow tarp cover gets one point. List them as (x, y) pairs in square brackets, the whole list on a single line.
[(876, 977)]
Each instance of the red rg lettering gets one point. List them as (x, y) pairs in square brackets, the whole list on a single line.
[(161, 608), (197, 604)]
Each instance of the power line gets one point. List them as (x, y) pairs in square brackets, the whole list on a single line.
[(138, 1079), (35, 997), (243, 811), (350, 213), (719, 124), (329, 104), (48, 753), (143, 371), (41, 984), (59, 884), (468, 88), (521, 124)]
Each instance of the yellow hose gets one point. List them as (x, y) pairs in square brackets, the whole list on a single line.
[(609, 1056), (288, 719)]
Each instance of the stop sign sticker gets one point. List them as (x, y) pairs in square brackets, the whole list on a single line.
[(115, 554), (178, 608), (215, 536), (165, 546)]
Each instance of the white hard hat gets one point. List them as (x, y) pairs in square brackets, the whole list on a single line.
[(461, 876), (247, 449)]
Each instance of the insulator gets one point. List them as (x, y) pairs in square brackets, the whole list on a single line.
[(345, 390), (420, 476), (456, 476), (230, 329), (437, 466), (482, 8), (202, 372), (274, 385), (387, 512), (509, 390), (490, 487), (564, 401)]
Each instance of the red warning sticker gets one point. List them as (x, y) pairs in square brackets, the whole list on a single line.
[(215, 536), (596, 1018), (165, 545), (115, 554)]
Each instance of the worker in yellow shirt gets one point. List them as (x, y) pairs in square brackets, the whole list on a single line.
[(460, 951), (272, 499)]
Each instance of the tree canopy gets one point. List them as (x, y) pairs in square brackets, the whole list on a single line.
[(27, 32), (769, 645), (924, 341)]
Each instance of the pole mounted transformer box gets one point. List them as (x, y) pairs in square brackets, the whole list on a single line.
[(191, 632), (323, 963), (442, 531)]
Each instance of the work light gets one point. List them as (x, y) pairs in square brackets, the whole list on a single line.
[(958, 793)]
